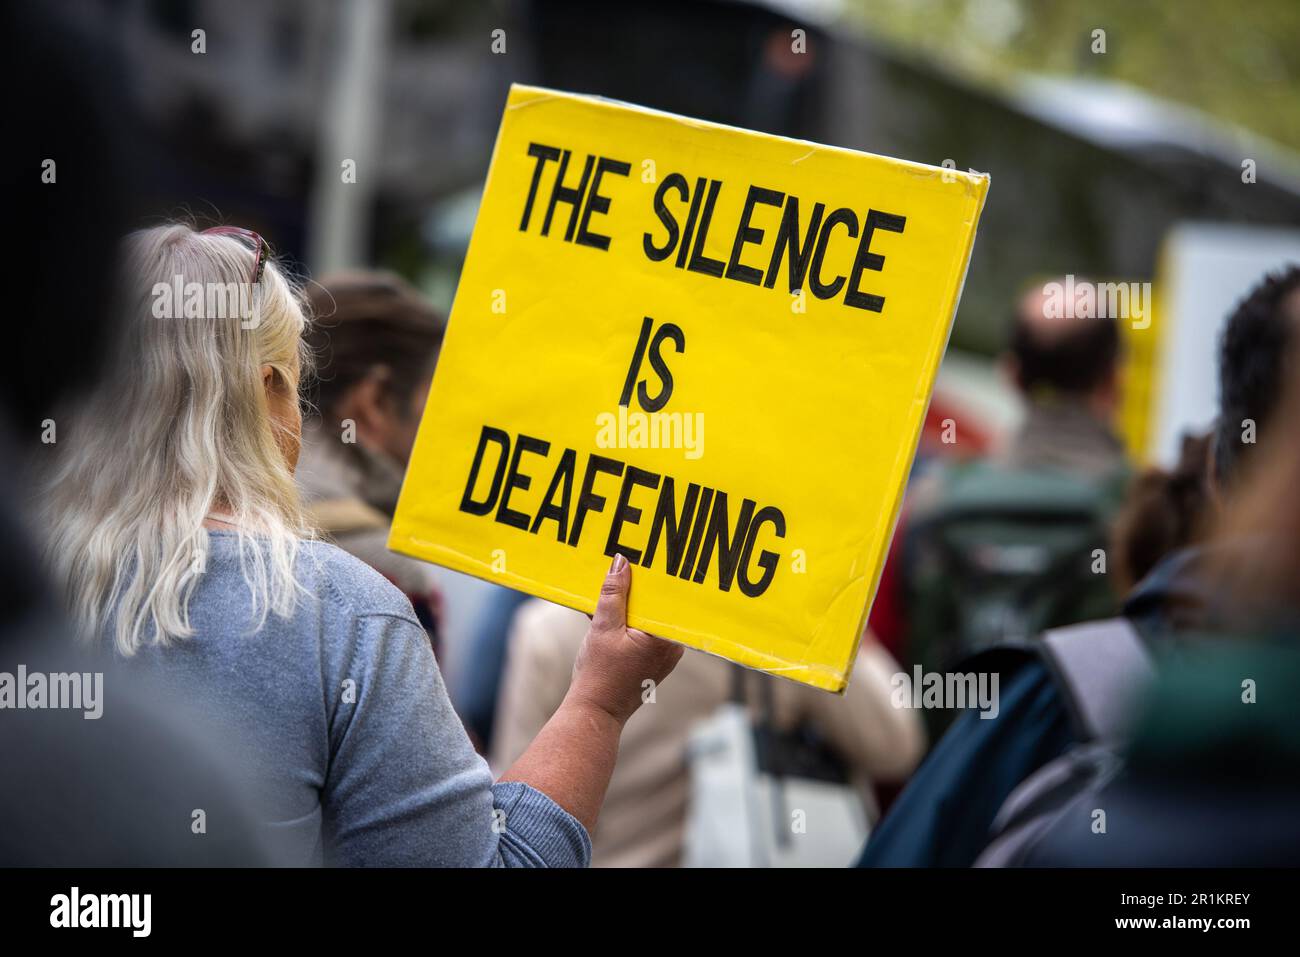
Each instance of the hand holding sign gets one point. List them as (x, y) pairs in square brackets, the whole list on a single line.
[(616, 664), (634, 277)]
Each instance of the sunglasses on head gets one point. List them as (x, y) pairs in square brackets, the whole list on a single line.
[(259, 246)]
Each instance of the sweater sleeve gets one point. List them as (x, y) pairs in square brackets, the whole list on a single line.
[(404, 786)]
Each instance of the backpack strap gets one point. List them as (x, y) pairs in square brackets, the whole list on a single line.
[(1099, 668)]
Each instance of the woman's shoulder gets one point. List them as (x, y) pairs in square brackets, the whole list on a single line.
[(339, 578)]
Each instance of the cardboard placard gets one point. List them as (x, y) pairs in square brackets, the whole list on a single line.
[(708, 348)]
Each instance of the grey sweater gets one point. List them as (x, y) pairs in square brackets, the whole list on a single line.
[(344, 729)]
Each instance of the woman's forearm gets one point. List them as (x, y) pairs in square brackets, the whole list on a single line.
[(572, 758)]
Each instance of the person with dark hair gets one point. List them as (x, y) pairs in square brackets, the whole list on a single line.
[(1252, 373), (1073, 355), (987, 790), (1066, 370), (375, 340), (1166, 510), (1211, 776)]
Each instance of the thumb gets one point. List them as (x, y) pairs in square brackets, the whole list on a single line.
[(611, 606)]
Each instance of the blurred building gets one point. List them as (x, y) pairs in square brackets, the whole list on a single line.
[(1087, 179)]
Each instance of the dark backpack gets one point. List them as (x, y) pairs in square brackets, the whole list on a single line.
[(1100, 670), (1005, 555)]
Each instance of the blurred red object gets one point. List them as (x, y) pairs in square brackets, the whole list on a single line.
[(887, 621), (973, 438)]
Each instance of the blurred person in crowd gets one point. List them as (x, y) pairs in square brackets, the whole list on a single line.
[(1001, 547), (1066, 370), (1166, 510), (485, 654), (946, 814), (1212, 773), (176, 536), (644, 819), (375, 341), (115, 781), (1252, 366)]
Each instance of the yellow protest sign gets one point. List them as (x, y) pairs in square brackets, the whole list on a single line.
[(706, 348)]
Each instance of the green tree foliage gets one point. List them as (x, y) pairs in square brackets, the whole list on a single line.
[(1236, 61)]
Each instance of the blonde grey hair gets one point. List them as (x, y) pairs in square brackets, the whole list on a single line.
[(180, 427)]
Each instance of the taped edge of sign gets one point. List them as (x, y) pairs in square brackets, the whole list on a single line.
[(541, 94)]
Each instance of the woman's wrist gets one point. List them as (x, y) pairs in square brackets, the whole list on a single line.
[(591, 706)]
